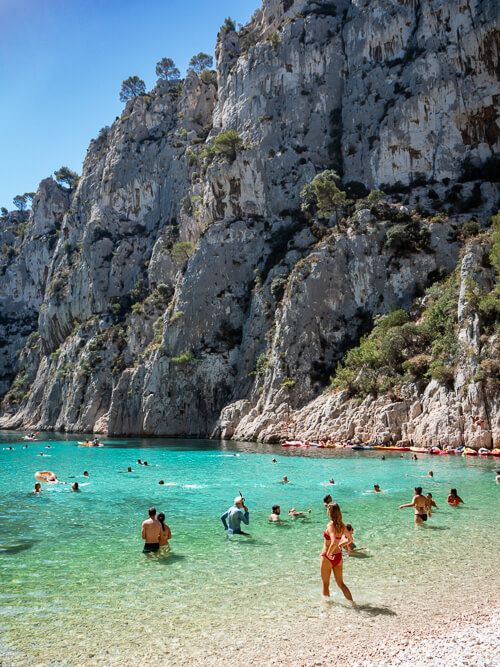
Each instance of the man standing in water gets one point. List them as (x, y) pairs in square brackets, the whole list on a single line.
[(235, 515), (420, 503), (151, 532)]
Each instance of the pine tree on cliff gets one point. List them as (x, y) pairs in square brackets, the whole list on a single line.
[(132, 87), (201, 62), (167, 71)]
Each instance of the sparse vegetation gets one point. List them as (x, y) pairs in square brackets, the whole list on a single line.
[(65, 176), (132, 87), (182, 251), (183, 358), (167, 71), (398, 350), (322, 196), (227, 145), (201, 62)]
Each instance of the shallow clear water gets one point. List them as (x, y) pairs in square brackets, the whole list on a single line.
[(75, 586)]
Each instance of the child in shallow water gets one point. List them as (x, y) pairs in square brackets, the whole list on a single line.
[(350, 545)]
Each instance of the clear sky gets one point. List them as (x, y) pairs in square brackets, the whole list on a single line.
[(61, 67)]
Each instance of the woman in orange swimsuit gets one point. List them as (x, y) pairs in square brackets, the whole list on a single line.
[(335, 536)]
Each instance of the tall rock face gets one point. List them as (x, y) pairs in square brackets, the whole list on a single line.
[(181, 290)]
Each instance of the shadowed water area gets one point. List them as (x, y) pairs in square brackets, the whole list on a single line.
[(75, 586)]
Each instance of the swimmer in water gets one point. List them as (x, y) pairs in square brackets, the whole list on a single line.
[(331, 481), (430, 474), (383, 458), (297, 515), (235, 515), (377, 489), (146, 463), (160, 482), (166, 533), (327, 500), (454, 499), (497, 477), (75, 487), (129, 469), (285, 480), (38, 488), (151, 530), (275, 516), (139, 462), (274, 461), (350, 545), (414, 457), (431, 504), (85, 473), (334, 538), (420, 503)]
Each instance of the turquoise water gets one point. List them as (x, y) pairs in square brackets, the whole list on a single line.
[(74, 585)]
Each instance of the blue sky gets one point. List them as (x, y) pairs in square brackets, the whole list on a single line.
[(62, 63)]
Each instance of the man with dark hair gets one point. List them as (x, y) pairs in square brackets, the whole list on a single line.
[(151, 532), (275, 516), (327, 500)]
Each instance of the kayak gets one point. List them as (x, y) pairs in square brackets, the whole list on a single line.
[(362, 447), (495, 452), (469, 452), (90, 444), (391, 448), (420, 450)]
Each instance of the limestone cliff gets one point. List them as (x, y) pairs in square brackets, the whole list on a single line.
[(180, 289)]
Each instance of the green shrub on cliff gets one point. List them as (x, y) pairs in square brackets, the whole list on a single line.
[(227, 145), (398, 350), (322, 196)]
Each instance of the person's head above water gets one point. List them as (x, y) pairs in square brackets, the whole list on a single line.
[(285, 478), (276, 509), (418, 490), (85, 473), (430, 473), (75, 487), (327, 499), (145, 463), (139, 462), (349, 527), (161, 482), (238, 501), (376, 487), (38, 487), (152, 512), (453, 492), (129, 469)]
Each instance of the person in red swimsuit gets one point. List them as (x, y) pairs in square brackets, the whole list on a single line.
[(454, 499), (335, 536)]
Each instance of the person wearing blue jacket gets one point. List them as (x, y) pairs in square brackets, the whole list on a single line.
[(234, 516)]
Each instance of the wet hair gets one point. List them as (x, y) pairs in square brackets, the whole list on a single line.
[(275, 507), (327, 499), (161, 482), (161, 519), (335, 516), (152, 511), (429, 495), (129, 469), (418, 490), (376, 486), (145, 463), (349, 527), (453, 492), (75, 486)]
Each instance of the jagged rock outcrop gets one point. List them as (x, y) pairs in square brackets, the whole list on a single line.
[(180, 289)]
